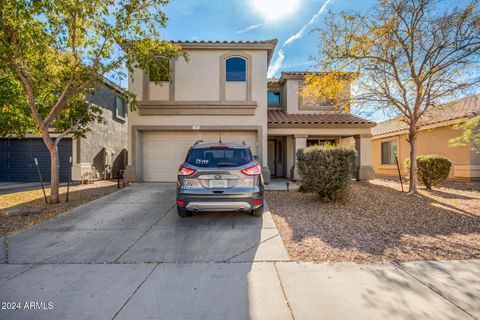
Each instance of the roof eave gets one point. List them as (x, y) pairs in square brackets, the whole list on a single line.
[(268, 45), (320, 125)]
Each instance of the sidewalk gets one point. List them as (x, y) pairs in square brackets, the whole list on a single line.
[(417, 290), (129, 256), (259, 290)]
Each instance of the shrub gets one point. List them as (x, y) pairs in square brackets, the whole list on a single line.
[(326, 170), (432, 169)]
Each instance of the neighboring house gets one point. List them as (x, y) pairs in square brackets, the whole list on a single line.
[(223, 92), (437, 127), (104, 147)]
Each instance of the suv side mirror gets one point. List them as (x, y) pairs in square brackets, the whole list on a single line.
[(256, 158)]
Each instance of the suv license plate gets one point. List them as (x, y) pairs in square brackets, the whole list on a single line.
[(218, 184)]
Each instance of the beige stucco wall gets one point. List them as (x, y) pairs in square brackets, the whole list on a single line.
[(135, 83), (159, 91), (198, 80), (290, 88), (432, 141), (236, 91), (348, 142)]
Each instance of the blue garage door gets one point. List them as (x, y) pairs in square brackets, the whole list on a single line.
[(17, 159)]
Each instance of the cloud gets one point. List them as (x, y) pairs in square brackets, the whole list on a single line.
[(281, 56), (249, 28), (277, 64), (300, 33)]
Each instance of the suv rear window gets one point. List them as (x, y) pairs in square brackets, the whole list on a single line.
[(219, 157)]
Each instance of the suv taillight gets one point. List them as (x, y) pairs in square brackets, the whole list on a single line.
[(252, 171), (184, 171)]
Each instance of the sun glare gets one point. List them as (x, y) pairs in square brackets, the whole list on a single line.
[(275, 9)]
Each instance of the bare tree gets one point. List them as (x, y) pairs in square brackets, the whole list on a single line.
[(408, 55)]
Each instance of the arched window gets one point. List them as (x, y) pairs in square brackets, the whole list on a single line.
[(236, 69)]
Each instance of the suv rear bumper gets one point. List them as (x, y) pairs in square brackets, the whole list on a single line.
[(226, 203)]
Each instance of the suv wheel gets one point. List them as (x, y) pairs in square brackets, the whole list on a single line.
[(257, 212), (184, 212)]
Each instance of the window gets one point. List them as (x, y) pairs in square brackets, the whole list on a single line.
[(273, 98), (218, 157), (389, 150), (163, 77), (162, 71), (236, 69), (120, 107), (320, 142)]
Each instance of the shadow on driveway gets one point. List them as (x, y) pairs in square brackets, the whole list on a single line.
[(129, 256)]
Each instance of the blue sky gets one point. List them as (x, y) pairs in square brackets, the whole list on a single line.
[(243, 20), (253, 20)]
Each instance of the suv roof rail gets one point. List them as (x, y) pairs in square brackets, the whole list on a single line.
[(197, 142)]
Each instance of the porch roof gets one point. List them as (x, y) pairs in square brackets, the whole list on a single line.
[(280, 117)]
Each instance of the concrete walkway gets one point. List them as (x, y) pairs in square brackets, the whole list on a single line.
[(279, 184), (128, 256)]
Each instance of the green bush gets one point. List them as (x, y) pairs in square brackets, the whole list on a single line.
[(326, 170), (432, 169)]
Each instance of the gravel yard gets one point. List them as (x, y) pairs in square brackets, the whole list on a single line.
[(378, 223), (79, 194)]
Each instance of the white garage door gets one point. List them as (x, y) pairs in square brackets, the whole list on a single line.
[(164, 151)]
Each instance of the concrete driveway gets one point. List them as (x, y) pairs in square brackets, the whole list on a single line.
[(128, 256)]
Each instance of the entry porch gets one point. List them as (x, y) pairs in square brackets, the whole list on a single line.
[(283, 144)]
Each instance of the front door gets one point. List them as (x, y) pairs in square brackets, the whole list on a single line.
[(275, 157), (272, 152)]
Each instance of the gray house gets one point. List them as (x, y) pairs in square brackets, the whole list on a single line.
[(101, 154)]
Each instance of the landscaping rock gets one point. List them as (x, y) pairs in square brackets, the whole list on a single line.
[(379, 223), (23, 210)]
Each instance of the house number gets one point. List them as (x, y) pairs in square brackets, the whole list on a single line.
[(195, 127)]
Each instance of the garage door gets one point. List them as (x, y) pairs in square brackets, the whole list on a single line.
[(164, 151), (17, 162)]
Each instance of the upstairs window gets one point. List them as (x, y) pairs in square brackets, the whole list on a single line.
[(236, 69), (273, 98), (389, 151), (120, 107), (161, 78), (161, 72)]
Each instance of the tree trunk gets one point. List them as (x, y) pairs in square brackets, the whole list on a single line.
[(412, 140), (54, 175)]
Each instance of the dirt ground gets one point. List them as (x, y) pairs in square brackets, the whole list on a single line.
[(78, 195), (379, 223)]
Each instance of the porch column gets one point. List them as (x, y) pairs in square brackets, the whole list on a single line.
[(300, 142), (363, 163)]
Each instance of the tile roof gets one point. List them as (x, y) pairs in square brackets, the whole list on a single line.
[(281, 117), (300, 73), (458, 109), (268, 41)]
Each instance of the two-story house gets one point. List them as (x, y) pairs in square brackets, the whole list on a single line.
[(222, 92)]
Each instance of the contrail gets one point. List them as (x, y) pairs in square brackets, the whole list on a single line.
[(281, 56), (277, 64), (252, 27), (300, 33)]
